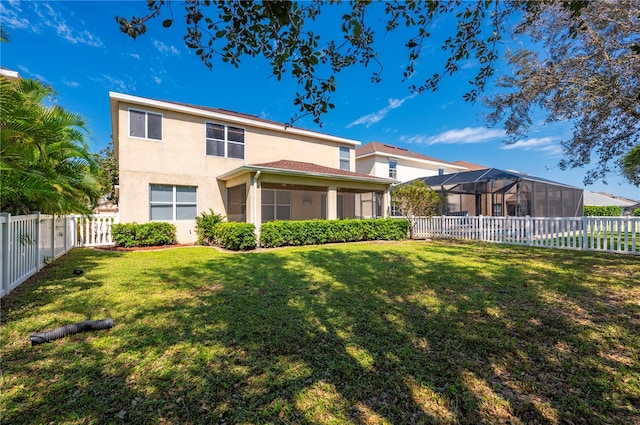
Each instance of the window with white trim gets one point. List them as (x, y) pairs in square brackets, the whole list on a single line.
[(393, 168), (172, 203), (145, 125), (345, 158), (224, 140)]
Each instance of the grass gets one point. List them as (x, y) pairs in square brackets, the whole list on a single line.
[(379, 333)]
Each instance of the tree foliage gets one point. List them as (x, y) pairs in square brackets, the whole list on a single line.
[(416, 199), (45, 164), (286, 34), (108, 176), (586, 73), (631, 166)]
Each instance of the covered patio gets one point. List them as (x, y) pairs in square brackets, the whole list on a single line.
[(494, 192), (292, 190)]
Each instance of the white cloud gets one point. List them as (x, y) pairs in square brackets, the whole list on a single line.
[(53, 19), (462, 136), (73, 84), (374, 117), (542, 144), (26, 72), (115, 84), (10, 15), (157, 80), (166, 50), (529, 144), (135, 56)]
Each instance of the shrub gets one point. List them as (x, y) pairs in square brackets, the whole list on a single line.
[(313, 232), (235, 236), (600, 211), (205, 227), (636, 212), (147, 234)]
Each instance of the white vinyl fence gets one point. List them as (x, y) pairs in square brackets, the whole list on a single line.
[(611, 234), (29, 242)]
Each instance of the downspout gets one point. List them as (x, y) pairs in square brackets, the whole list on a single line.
[(255, 201)]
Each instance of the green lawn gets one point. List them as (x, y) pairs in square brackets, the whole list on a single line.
[(366, 333)]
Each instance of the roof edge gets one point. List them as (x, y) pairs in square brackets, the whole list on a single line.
[(194, 110)]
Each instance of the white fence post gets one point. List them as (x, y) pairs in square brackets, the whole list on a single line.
[(5, 229)]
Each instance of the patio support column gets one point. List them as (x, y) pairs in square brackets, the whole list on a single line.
[(256, 202), (386, 203), (332, 202)]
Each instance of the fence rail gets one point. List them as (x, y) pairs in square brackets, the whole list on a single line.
[(610, 234), (29, 242)]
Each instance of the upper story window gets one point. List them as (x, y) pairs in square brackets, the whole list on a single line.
[(393, 169), (146, 125), (225, 141), (345, 158)]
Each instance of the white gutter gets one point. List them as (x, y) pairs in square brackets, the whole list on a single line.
[(255, 200)]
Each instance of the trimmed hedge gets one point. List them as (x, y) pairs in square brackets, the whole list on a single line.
[(316, 232), (235, 235), (132, 235), (600, 211)]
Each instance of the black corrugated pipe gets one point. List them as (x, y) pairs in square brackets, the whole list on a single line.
[(89, 325)]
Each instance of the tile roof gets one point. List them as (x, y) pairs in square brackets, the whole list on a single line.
[(307, 167), (226, 112), (374, 147), (470, 165)]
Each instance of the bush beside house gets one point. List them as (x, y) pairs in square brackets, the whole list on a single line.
[(132, 235)]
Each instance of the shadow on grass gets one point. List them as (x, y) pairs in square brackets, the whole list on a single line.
[(408, 334)]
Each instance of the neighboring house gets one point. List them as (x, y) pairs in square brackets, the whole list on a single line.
[(9, 74), (601, 199), (470, 166), (178, 160), (383, 160), (494, 192)]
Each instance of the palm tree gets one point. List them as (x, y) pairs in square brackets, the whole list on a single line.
[(631, 166), (45, 164)]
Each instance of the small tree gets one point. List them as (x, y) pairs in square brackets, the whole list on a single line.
[(416, 199)]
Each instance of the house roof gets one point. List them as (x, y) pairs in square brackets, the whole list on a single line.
[(605, 200), (305, 169), (470, 165), (376, 148), (476, 176), (221, 114), (9, 73)]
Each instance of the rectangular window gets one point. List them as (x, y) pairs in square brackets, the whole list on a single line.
[(345, 158), (393, 169), (276, 205), (224, 141), (171, 203), (145, 125)]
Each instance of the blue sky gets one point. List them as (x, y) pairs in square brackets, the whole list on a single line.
[(77, 47)]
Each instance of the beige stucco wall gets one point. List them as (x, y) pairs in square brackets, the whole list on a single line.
[(180, 159)]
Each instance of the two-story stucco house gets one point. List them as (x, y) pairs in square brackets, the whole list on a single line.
[(383, 160), (178, 160)]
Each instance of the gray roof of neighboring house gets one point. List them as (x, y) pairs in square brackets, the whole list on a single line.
[(594, 199)]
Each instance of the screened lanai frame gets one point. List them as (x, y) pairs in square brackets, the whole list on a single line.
[(494, 192)]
